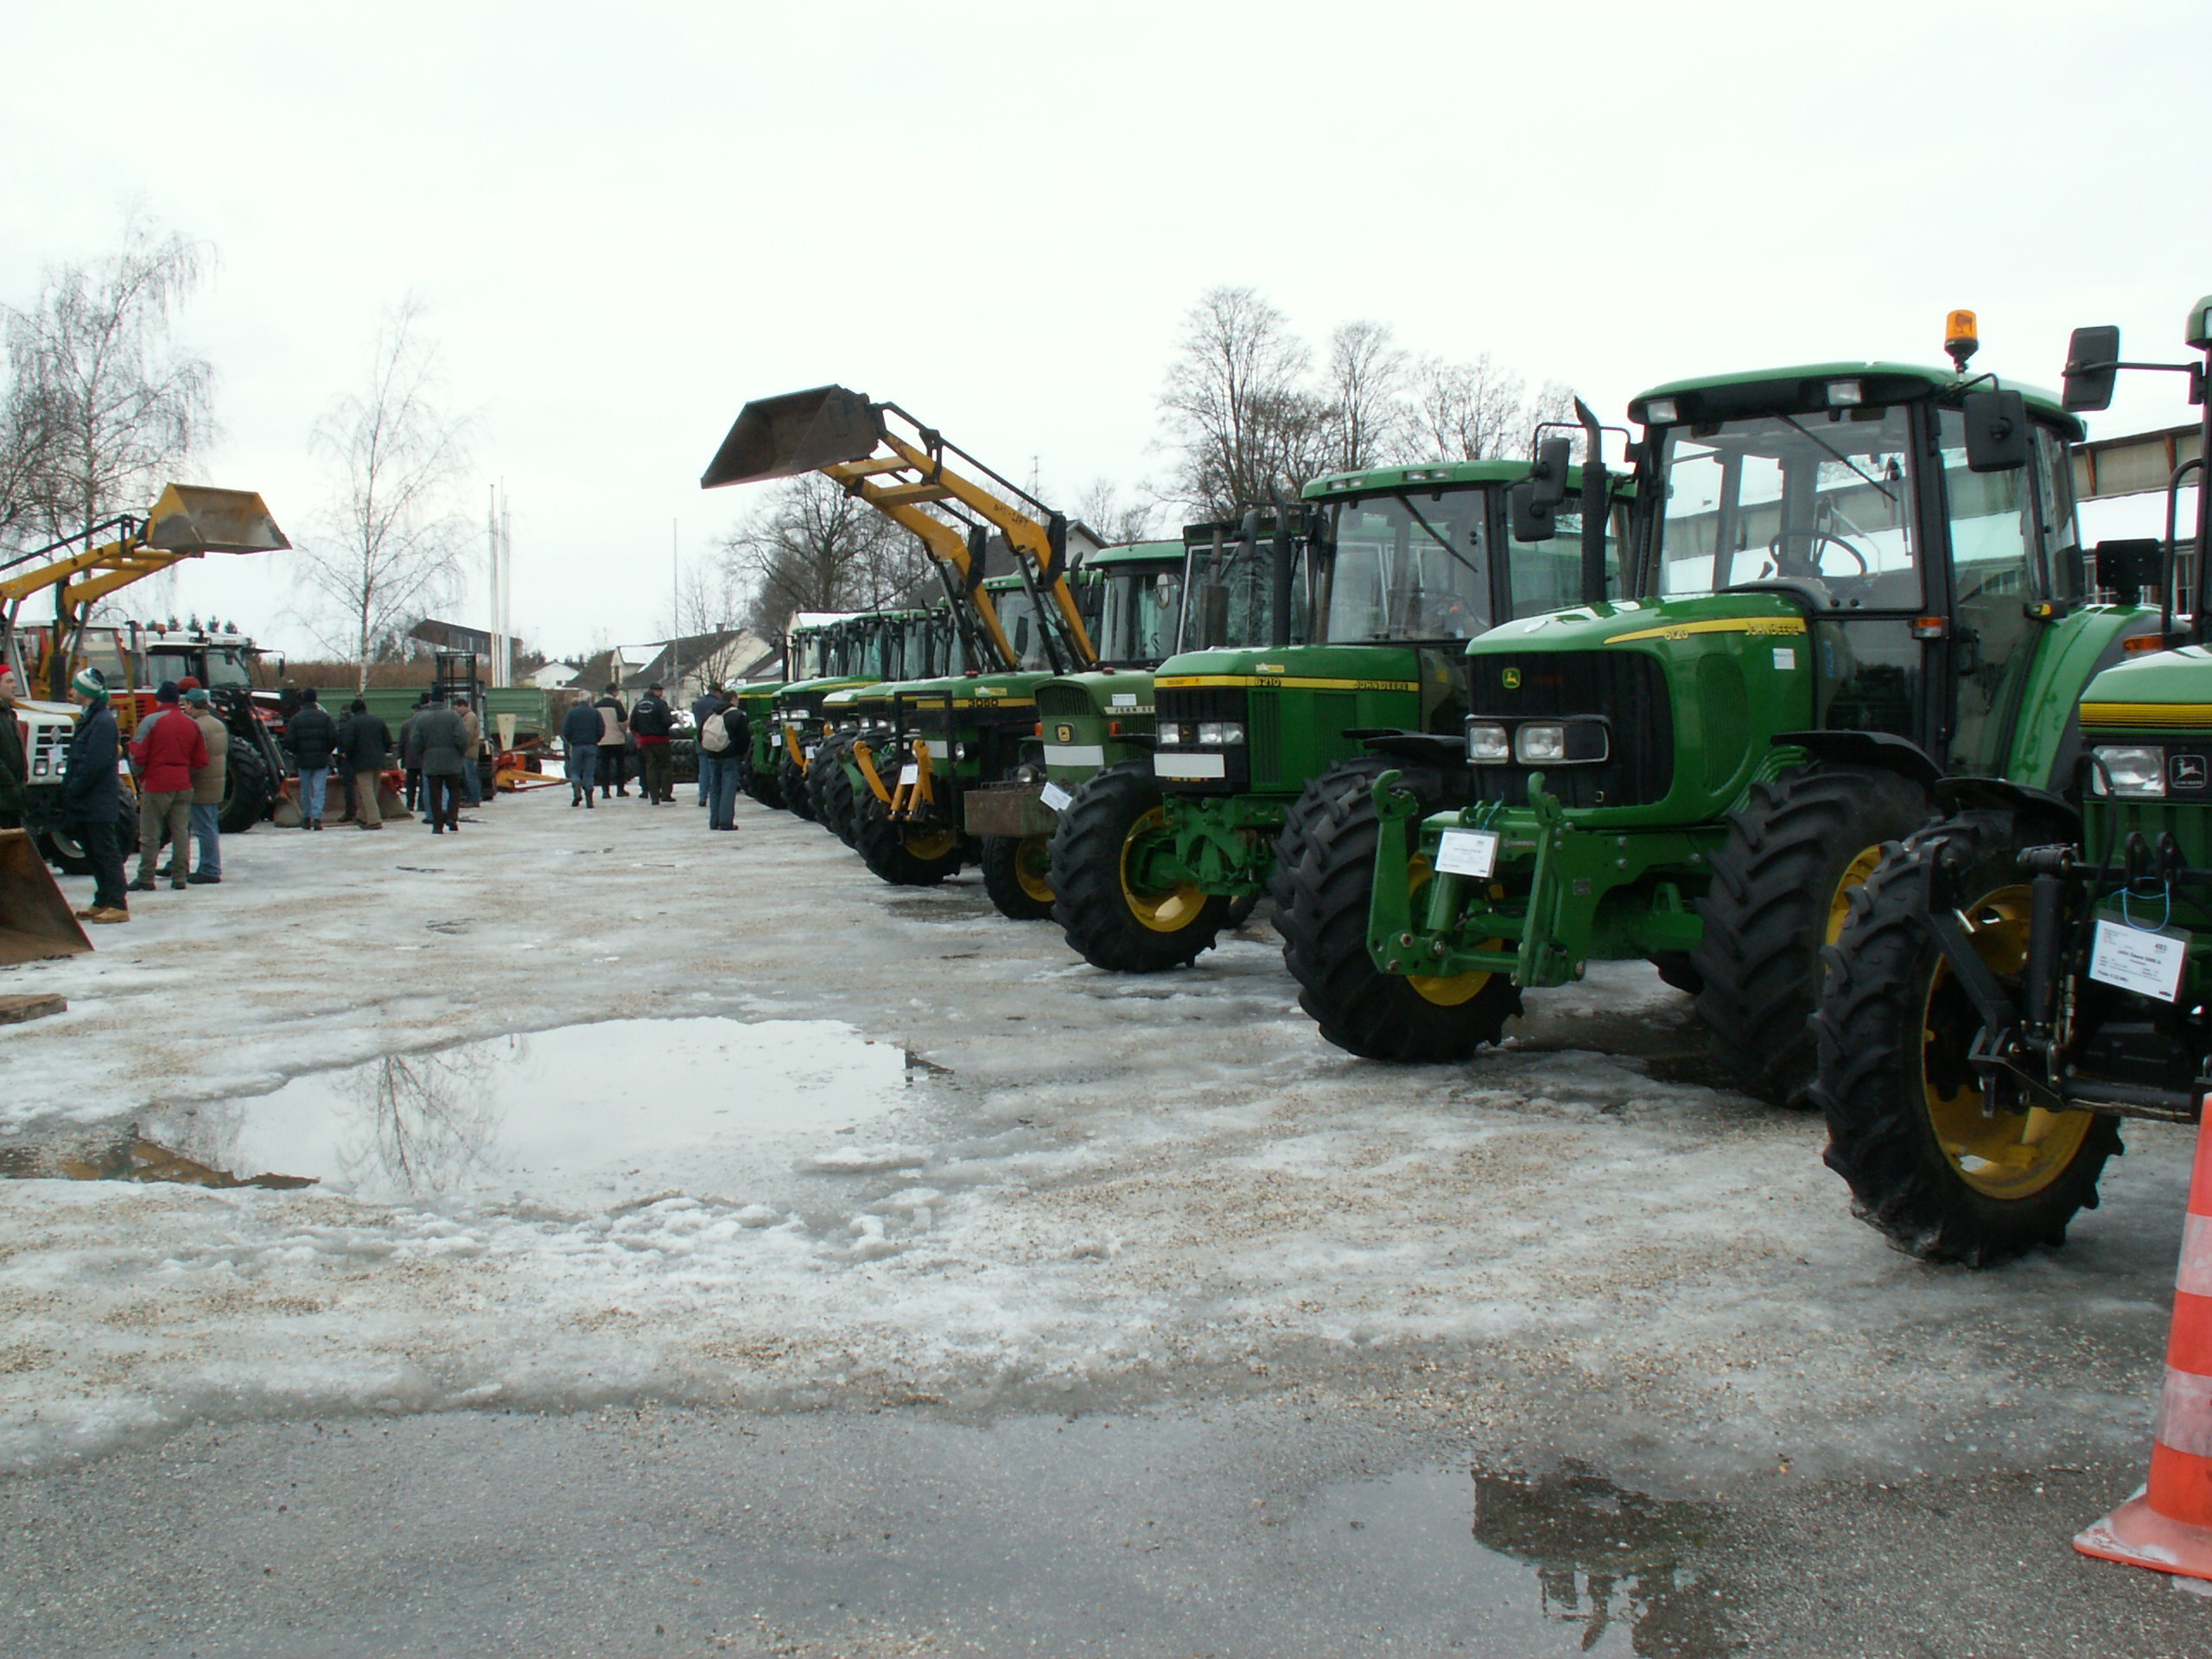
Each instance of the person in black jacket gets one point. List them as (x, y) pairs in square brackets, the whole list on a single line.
[(580, 730), (365, 749), (92, 797), (652, 723), (312, 736)]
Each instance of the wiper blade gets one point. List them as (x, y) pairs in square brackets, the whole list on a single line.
[(1839, 456), (1407, 498)]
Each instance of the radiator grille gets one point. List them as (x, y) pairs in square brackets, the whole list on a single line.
[(1063, 702), (1627, 687)]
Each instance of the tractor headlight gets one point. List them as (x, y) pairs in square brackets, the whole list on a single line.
[(1540, 745), (1220, 734), (1487, 744), (2131, 772), (1168, 732)]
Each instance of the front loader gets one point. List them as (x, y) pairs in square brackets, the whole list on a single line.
[(1858, 599), (2022, 974)]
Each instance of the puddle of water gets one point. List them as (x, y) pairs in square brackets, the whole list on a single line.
[(583, 1115), (1567, 1564)]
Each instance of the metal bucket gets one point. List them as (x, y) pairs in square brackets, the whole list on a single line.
[(194, 518), (799, 432), (36, 921)]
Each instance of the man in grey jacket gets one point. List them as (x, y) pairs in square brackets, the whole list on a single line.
[(445, 742)]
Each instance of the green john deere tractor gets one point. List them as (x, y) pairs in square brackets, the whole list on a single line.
[(804, 651), (847, 652), (917, 644), (2017, 978), (1346, 613), (1860, 600)]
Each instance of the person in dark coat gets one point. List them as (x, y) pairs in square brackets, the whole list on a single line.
[(707, 702), (728, 723), (410, 754), (580, 730), (363, 750), (312, 735), (15, 766), (91, 796), (444, 741), (652, 723)]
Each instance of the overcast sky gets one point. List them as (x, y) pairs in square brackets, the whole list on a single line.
[(625, 223)]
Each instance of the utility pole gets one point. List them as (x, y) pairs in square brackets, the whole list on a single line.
[(675, 615)]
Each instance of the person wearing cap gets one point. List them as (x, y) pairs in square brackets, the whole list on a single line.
[(92, 797), (207, 794), (312, 736), (14, 767), (652, 723), (166, 751)]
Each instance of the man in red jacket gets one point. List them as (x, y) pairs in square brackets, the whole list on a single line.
[(167, 749)]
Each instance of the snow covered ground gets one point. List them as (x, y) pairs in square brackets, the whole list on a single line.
[(844, 1142)]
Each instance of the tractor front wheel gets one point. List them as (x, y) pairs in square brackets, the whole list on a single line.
[(1945, 1180), (1116, 914), (902, 854), (791, 777), (1782, 883), (1017, 873), (1359, 1007), (829, 791)]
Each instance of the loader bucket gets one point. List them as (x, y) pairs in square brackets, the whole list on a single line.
[(194, 518), (36, 921), (799, 432)]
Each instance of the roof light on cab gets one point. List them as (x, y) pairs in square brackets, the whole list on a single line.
[(1845, 394), (1661, 411), (1961, 337)]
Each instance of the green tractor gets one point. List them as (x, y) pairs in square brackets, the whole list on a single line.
[(1859, 600), (917, 644), (2017, 978), (846, 652), (803, 652), (1346, 613)]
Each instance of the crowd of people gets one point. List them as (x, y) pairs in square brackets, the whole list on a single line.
[(178, 755)]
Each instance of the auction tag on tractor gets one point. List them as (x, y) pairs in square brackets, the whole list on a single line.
[(2139, 960), (1466, 852), (910, 773), (1125, 699), (1056, 798)]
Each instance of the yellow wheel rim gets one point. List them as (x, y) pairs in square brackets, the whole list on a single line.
[(1167, 912), (930, 845), (2004, 1154), (1032, 868), (1446, 991), (1855, 876)]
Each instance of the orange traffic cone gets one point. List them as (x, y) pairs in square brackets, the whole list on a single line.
[(2167, 1525)]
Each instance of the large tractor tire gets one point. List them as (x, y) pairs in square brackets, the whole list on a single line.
[(1017, 874), (1382, 1016), (829, 789), (1112, 920), (1309, 809), (1906, 1128), (66, 853), (249, 789), (791, 778), (764, 787), (1780, 889), (902, 856), (684, 758)]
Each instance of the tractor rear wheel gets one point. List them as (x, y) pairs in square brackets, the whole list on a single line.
[(248, 788), (1017, 873), (1943, 1179), (1358, 1006), (1114, 916), (1781, 888), (903, 855), (791, 777)]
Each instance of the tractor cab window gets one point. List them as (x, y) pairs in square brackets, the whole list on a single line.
[(1144, 605), (1025, 629), (1996, 546), (1547, 576), (1410, 565), (1821, 503), (227, 668), (1229, 595)]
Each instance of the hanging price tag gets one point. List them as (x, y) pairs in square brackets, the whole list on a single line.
[(2140, 960), (1466, 852), (1056, 798)]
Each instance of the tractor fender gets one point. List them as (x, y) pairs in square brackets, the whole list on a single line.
[(1957, 795), (1879, 750), (1430, 748)]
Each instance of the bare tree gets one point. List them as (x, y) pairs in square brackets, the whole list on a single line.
[(1240, 417), (812, 547), (112, 406), (1368, 416), (25, 436), (394, 540), (1114, 519), (1479, 411)]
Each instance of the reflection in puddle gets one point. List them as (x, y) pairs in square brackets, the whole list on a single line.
[(1611, 1567), (584, 1115)]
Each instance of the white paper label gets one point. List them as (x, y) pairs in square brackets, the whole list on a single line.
[(1467, 852), (2149, 965), (1125, 699), (1056, 798), (910, 773), (1188, 766), (1785, 658)]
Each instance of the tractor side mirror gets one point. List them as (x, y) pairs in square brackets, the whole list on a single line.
[(1997, 431), (2128, 567), (1548, 473), (1531, 522), (2091, 366)]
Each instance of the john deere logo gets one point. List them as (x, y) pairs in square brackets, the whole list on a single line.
[(1064, 732), (1510, 679)]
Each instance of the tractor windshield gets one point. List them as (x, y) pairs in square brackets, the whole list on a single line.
[(1821, 502), (1144, 604), (1409, 565), (1229, 595), (1025, 629)]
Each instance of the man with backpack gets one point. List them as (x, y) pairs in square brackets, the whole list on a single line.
[(724, 737), (701, 706), (652, 723)]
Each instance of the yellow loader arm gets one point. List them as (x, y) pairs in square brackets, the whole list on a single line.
[(842, 435), (189, 521)]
